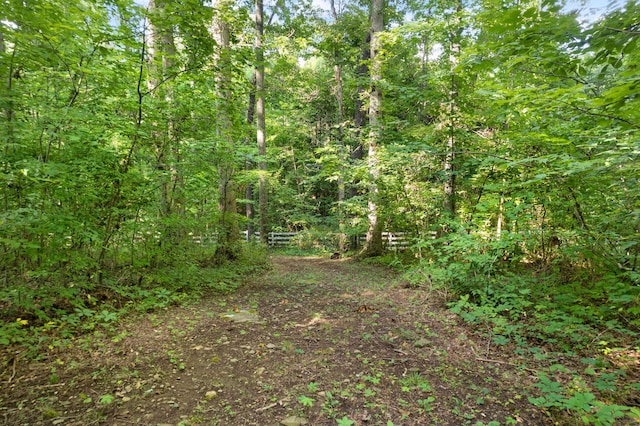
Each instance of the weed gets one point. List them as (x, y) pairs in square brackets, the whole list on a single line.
[(415, 381), (106, 399), (425, 404), (583, 403), (330, 404), (374, 379), (306, 401), (345, 421)]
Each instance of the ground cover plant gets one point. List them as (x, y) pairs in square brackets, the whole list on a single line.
[(573, 319), (318, 340)]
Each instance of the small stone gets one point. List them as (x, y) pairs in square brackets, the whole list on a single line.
[(421, 343), (294, 421), (233, 360), (260, 371), (271, 346), (211, 394)]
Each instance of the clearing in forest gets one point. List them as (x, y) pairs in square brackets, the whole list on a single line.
[(313, 341)]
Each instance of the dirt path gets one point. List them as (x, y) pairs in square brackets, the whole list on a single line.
[(335, 343)]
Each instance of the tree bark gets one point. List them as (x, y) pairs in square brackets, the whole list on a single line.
[(249, 196), (449, 187), (261, 126), (373, 243), (162, 53), (337, 76), (359, 116), (9, 112), (229, 232)]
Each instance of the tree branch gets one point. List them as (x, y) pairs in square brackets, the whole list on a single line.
[(600, 114), (619, 30)]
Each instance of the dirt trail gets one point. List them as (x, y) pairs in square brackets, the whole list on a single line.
[(335, 342)]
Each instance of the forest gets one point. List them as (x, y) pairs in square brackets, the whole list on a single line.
[(148, 150)]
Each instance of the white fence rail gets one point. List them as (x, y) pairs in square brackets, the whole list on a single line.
[(393, 240), (276, 239), (390, 240)]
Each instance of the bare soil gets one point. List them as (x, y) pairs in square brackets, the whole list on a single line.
[(335, 342)]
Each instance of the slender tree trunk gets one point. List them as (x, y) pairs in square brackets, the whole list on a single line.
[(373, 243), (9, 112), (337, 72), (359, 117), (229, 232), (339, 93), (249, 196), (162, 53), (449, 187), (261, 127), (500, 221)]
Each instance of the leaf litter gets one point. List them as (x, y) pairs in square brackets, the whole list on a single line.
[(314, 341)]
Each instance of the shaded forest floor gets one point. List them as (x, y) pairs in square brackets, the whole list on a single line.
[(313, 341)]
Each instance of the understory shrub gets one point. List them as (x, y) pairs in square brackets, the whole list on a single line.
[(37, 312), (494, 284)]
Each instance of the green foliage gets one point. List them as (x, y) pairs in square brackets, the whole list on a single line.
[(493, 284), (106, 399), (581, 403), (36, 318), (306, 401), (345, 421)]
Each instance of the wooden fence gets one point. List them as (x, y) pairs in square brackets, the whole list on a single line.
[(276, 239), (390, 240)]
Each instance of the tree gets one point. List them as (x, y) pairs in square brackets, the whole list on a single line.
[(449, 170), (261, 126), (229, 232), (373, 242), (162, 69)]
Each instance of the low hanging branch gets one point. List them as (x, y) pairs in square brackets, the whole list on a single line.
[(600, 114)]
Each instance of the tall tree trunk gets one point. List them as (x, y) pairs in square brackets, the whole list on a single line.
[(162, 53), (500, 221), (249, 196), (229, 232), (339, 93), (9, 112), (373, 243), (359, 116), (261, 127), (337, 73), (449, 187)]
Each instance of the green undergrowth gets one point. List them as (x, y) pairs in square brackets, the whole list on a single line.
[(45, 313), (577, 322), (296, 251)]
